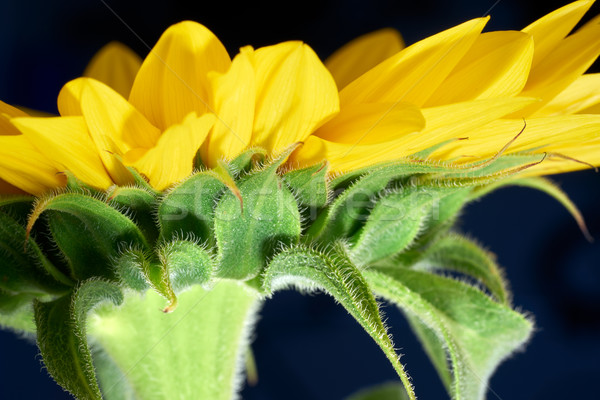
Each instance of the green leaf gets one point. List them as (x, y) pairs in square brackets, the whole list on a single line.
[(386, 391), (88, 232), (476, 332), (334, 273), (189, 207), (23, 266), (269, 218), (142, 205), (309, 185), (196, 352), (61, 336), (456, 253), (395, 222)]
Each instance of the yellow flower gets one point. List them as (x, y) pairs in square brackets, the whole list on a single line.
[(469, 84), (189, 98)]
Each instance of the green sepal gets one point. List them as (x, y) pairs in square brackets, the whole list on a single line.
[(456, 253), (129, 268), (268, 219), (76, 185), (23, 266), (444, 214), (61, 336), (142, 205), (385, 391), (188, 264), (309, 185), (395, 222), (248, 160), (455, 322), (189, 207), (335, 273), (88, 232), (346, 214)]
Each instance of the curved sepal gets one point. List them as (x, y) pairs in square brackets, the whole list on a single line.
[(456, 253), (309, 185), (248, 160), (142, 205), (16, 312), (88, 232), (189, 207), (188, 264), (347, 213), (334, 272), (395, 222), (61, 336), (269, 218), (466, 333), (23, 266)]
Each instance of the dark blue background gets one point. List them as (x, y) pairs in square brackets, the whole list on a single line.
[(307, 347)]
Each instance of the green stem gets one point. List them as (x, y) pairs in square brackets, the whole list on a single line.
[(197, 351)]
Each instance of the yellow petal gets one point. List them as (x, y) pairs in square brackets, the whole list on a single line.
[(69, 97), (372, 123), (547, 134), (108, 114), (116, 65), (233, 98), (109, 124), (173, 78), (66, 141), (549, 30), (24, 167), (363, 53), (344, 157), (595, 109), (6, 113), (462, 120), (414, 73), (172, 159), (569, 60), (295, 94), (581, 94), (496, 65)]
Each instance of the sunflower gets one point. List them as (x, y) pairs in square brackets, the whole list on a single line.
[(370, 102)]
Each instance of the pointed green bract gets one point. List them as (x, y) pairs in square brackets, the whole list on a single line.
[(189, 208), (247, 237), (395, 222), (188, 264), (248, 160), (23, 266), (476, 332), (309, 185), (334, 272), (348, 212), (142, 205), (88, 232), (459, 254), (61, 336)]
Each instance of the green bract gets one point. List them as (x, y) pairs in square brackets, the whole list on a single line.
[(124, 283)]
